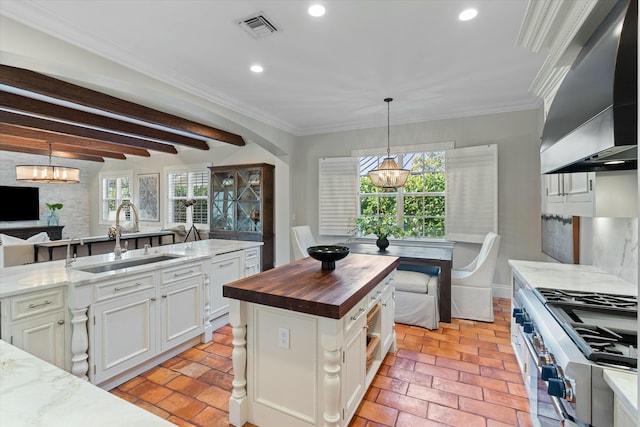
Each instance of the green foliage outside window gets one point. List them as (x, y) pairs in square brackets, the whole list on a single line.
[(419, 205)]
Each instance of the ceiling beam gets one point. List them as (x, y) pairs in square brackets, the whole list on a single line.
[(34, 82), (14, 148), (68, 129), (11, 101), (40, 144), (45, 135)]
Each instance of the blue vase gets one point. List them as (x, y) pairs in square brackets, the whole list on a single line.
[(52, 219)]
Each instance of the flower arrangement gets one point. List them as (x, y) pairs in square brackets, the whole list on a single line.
[(52, 219), (381, 226)]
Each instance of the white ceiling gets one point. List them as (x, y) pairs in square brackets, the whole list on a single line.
[(321, 74)]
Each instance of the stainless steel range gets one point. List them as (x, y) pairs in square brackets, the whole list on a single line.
[(563, 340)]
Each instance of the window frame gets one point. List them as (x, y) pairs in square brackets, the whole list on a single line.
[(118, 175), (189, 170)]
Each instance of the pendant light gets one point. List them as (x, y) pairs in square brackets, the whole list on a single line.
[(48, 174), (388, 176)]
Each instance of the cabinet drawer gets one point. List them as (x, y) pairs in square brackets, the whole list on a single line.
[(181, 272), (24, 306), (114, 289), (355, 315), (374, 295), (252, 255)]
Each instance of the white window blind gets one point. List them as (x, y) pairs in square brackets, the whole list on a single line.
[(471, 201), (185, 185), (339, 185), (115, 188)]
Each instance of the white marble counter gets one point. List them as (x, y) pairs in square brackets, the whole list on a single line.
[(24, 278), (570, 277), (625, 387), (35, 393)]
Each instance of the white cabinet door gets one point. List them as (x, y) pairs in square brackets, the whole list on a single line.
[(578, 187), (386, 321), (182, 316), (42, 336), (124, 333), (354, 368), (224, 269)]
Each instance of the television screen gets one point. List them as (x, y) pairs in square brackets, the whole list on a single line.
[(19, 203)]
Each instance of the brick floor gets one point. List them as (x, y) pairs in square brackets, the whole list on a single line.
[(463, 374)]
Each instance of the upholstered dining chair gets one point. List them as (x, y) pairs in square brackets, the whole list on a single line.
[(416, 296), (471, 291), (301, 239)]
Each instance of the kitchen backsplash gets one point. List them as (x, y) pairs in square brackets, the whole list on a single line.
[(611, 244)]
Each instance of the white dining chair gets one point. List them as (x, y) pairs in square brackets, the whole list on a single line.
[(471, 286), (301, 239)]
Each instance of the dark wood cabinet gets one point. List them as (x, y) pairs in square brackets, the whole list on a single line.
[(55, 233), (242, 199)]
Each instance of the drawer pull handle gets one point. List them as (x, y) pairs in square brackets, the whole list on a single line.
[(355, 316), (60, 322), (153, 299), (226, 264), (47, 302), (127, 287), (186, 273)]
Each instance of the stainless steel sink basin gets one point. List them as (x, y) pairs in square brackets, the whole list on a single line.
[(118, 265)]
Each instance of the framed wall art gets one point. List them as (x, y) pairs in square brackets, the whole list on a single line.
[(149, 197)]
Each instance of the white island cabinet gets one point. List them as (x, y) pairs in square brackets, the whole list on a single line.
[(127, 315), (308, 342)]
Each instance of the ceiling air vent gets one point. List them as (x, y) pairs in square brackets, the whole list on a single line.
[(258, 26)]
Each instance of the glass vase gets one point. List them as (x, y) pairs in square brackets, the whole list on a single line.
[(52, 219)]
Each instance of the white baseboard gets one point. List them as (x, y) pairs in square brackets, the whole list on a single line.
[(501, 291)]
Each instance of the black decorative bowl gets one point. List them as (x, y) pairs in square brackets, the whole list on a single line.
[(328, 254)]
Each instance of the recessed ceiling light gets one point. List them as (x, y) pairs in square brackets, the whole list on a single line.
[(257, 68), (614, 162), (468, 14), (316, 10)]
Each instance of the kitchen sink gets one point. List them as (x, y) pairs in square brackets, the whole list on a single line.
[(118, 265)]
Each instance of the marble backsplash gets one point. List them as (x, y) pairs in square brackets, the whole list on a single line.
[(611, 244)]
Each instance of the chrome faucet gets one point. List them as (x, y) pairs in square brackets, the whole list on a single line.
[(118, 250), (69, 260)]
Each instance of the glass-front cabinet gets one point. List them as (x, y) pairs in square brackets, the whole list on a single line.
[(242, 205)]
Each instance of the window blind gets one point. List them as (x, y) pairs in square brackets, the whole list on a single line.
[(471, 201), (338, 181)]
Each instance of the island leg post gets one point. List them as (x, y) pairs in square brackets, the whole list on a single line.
[(238, 404), (79, 343)]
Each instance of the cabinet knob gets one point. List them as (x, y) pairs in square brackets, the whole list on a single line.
[(60, 322), (153, 299)]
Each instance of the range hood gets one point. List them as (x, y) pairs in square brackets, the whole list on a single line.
[(592, 122)]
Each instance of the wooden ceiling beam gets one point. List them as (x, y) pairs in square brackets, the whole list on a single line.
[(13, 102), (54, 153), (34, 82), (45, 135), (68, 129), (44, 145)]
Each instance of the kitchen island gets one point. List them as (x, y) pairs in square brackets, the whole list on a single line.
[(308, 342)]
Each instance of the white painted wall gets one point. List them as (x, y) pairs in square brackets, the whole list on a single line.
[(517, 137)]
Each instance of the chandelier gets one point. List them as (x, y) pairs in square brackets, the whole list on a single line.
[(388, 176), (48, 174)]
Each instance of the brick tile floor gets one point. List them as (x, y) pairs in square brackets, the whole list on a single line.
[(463, 374)]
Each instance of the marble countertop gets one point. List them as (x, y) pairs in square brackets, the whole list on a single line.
[(36, 393), (24, 278), (625, 386), (570, 277)]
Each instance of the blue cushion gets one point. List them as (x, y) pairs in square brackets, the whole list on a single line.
[(431, 270)]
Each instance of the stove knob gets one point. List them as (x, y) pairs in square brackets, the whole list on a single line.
[(556, 387), (516, 310), (548, 372), (528, 327), (519, 318)]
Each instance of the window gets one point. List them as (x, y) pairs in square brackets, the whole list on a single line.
[(116, 188), (451, 193), (184, 185), (419, 205)]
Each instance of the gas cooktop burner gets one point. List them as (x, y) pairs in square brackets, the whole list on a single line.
[(593, 300), (605, 345)]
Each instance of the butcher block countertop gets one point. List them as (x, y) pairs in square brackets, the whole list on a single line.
[(304, 287)]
